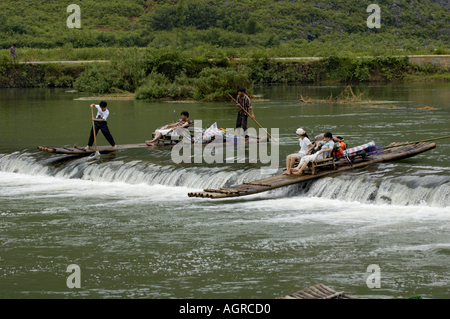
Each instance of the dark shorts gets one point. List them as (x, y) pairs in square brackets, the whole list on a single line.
[(242, 121)]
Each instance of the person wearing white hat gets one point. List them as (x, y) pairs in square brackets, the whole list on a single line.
[(305, 148), (326, 145)]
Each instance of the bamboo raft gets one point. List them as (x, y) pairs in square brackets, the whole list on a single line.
[(77, 150), (318, 292), (395, 151)]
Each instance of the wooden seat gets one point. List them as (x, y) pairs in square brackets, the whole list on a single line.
[(163, 139), (169, 138), (329, 161), (326, 162)]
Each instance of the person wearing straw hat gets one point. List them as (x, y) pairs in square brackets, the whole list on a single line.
[(305, 148)]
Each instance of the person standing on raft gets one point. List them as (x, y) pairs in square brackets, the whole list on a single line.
[(245, 102), (101, 124)]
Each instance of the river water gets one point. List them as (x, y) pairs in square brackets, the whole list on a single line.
[(125, 219)]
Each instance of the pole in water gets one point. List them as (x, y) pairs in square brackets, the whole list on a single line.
[(97, 153)]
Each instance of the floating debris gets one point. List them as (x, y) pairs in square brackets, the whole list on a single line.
[(318, 292), (107, 97), (428, 108), (347, 96)]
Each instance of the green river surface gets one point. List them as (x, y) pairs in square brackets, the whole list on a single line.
[(125, 218)]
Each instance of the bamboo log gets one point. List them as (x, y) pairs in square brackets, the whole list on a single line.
[(312, 293), (308, 295), (228, 190), (327, 289), (320, 288), (317, 291), (256, 184), (408, 143), (334, 295)]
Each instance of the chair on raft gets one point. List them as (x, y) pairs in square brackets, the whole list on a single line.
[(171, 139), (329, 161)]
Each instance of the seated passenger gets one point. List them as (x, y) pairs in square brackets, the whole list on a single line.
[(305, 148), (326, 144), (166, 129)]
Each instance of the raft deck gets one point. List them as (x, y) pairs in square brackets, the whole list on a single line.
[(318, 292), (77, 150), (264, 185)]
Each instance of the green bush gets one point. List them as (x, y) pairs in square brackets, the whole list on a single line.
[(214, 84), (156, 86), (181, 88), (170, 62), (64, 81), (94, 79)]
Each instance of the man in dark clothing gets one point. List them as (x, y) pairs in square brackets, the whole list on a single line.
[(245, 102), (13, 53), (100, 124)]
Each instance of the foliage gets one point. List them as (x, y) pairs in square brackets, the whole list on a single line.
[(155, 87), (171, 63), (40, 75), (215, 83), (282, 28)]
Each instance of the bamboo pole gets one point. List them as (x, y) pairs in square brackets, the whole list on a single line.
[(408, 143), (251, 117), (93, 129)]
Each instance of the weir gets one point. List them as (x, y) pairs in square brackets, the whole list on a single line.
[(388, 186)]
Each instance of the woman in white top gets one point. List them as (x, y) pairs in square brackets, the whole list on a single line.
[(327, 146), (305, 148)]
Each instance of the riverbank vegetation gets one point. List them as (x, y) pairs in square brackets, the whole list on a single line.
[(174, 73), (202, 50)]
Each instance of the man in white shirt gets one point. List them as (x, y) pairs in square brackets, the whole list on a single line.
[(305, 148), (101, 124)]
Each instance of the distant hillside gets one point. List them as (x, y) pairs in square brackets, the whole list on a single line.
[(337, 24)]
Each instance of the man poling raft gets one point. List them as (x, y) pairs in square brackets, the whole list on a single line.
[(245, 106), (248, 114), (99, 123)]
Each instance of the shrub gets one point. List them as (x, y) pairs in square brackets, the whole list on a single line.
[(155, 87), (214, 84), (94, 79)]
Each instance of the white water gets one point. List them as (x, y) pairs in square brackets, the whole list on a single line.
[(23, 175)]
